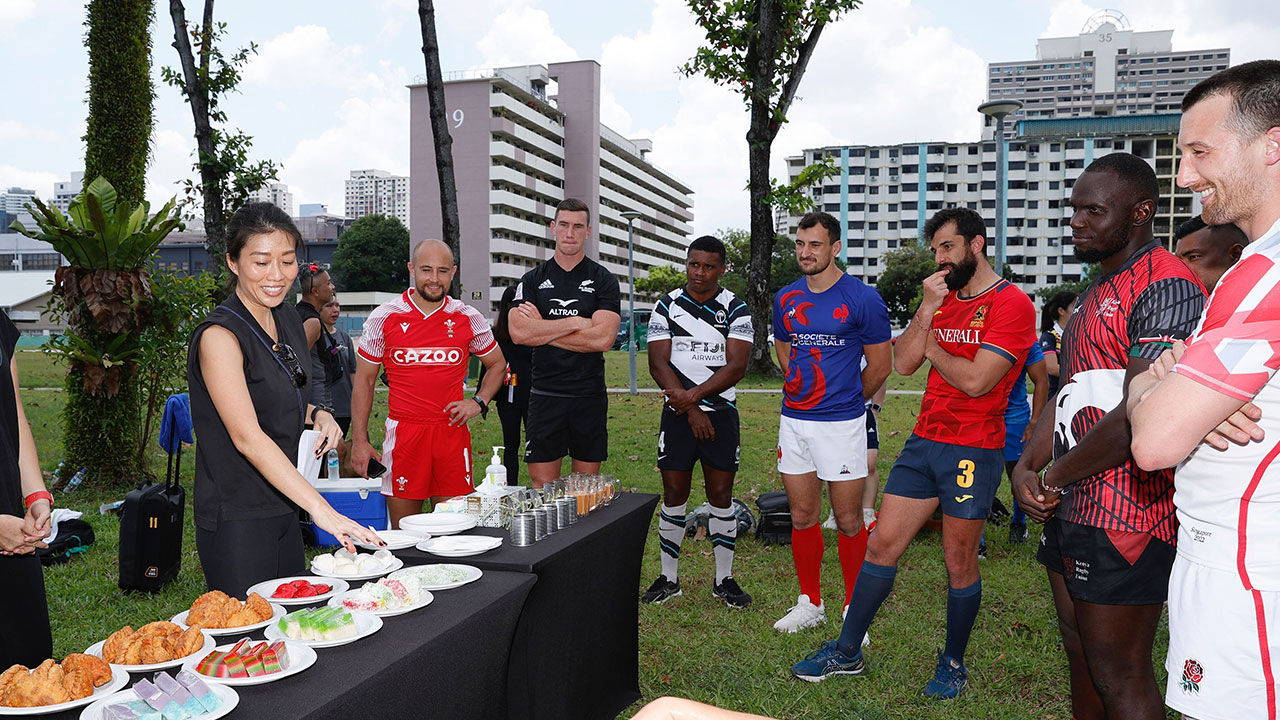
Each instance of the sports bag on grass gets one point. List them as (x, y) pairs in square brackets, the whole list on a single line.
[(151, 517), (774, 526)]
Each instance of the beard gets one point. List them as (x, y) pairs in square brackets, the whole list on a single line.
[(1240, 201), (1105, 249), (962, 272), (815, 269), (427, 295)]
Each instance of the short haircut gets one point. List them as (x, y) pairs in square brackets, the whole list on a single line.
[(1227, 234), (1254, 89), (711, 244), (572, 205), (307, 274), (828, 223), (432, 242), (1133, 171), (969, 224)]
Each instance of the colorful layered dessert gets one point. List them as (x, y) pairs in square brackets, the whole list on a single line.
[(198, 689), (318, 625)]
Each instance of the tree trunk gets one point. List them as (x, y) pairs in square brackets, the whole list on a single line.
[(198, 98), (441, 137), (118, 129)]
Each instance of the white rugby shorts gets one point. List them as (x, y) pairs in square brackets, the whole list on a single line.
[(836, 450)]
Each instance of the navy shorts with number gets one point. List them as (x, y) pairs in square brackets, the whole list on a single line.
[(573, 426), (1107, 567), (964, 479), (678, 449), (873, 432)]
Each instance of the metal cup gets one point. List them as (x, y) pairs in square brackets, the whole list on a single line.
[(567, 510), (539, 524), (552, 517), (523, 529)]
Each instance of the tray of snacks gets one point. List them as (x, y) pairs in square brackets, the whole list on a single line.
[(439, 576), (386, 597), (218, 614), (183, 695), (355, 566), (299, 589), (52, 687), (154, 646), (324, 627), (252, 663)]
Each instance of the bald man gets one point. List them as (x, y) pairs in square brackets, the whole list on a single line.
[(1209, 250), (423, 338)]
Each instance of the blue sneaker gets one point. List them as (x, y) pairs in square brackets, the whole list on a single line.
[(827, 661), (949, 679)]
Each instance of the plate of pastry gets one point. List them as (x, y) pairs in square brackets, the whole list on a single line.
[(154, 646), (218, 614), (52, 687)]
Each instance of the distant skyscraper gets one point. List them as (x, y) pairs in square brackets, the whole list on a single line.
[(377, 192), (276, 193), (65, 191), (312, 209)]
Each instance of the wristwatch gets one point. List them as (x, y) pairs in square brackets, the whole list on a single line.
[(311, 419), (484, 407)]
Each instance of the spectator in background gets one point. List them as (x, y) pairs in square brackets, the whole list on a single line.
[(513, 398), (317, 290), (1053, 318), (339, 389), (1208, 249)]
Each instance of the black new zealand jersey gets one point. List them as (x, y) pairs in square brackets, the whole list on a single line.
[(586, 288)]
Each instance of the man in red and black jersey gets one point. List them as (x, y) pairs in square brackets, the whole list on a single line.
[(1109, 525)]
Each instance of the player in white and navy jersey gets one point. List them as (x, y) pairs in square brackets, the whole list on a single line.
[(1213, 410), (699, 343)]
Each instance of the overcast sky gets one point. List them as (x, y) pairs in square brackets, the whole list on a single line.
[(326, 93)]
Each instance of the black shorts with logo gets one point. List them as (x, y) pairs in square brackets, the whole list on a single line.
[(573, 426), (678, 449), (1107, 567), (873, 432)]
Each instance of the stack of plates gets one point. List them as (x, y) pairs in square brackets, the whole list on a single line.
[(435, 524), (459, 545)]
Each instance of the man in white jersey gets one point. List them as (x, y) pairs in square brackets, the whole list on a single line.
[(1223, 387)]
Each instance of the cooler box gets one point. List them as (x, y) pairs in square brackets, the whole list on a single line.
[(358, 498)]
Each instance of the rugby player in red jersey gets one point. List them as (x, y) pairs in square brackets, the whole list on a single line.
[(974, 329), (423, 339), (1110, 527)]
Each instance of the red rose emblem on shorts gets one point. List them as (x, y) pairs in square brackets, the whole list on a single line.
[(1192, 674)]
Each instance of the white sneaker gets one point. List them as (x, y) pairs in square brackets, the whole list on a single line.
[(803, 615), (830, 522), (866, 637), (868, 518)]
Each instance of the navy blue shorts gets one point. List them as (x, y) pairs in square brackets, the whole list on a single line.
[(873, 432), (963, 479)]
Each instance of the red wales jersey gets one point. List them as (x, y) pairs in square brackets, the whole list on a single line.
[(425, 355), (1000, 319), (1134, 312)]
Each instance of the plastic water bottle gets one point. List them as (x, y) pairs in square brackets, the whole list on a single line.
[(331, 460), (77, 479), (57, 472)]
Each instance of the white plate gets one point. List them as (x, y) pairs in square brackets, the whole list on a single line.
[(459, 545), (301, 657), (366, 625), (119, 678), (426, 600), (229, 697), (438, 523), (395, 564), (395, 540), (277, 612), (267, 587), (472, 574), (96, 650)]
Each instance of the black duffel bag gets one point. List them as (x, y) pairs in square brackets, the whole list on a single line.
[(774, 526), (74, 536)]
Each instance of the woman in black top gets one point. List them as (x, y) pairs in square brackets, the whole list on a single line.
[(246, 372), (513, 398), (24, 615), (1053, 318)]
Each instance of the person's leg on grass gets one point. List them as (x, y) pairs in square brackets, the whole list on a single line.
[(804, 494), (1086, 704), (723, 530), (1018, 523), (399, 508), (870, 489), (671, 526), (1117, 641), (960, 538), (851, 536)]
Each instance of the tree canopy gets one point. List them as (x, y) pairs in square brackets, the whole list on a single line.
[(372, 255)]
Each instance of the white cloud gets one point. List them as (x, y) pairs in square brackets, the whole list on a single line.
[(523, 35), (12, 131), (306, 57), (38, 180), (171, 160)]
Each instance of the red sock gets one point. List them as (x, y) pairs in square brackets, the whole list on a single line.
[(806, 552), (853, 550)]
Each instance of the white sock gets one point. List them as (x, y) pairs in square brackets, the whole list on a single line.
[(670, 534), (723, 529)]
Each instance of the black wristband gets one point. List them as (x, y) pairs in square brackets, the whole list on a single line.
[(484, 407)]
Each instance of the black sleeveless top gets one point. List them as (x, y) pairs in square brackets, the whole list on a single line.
[(228, 486), (10, 478)]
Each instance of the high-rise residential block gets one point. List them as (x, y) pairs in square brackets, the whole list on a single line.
[(377, 192)]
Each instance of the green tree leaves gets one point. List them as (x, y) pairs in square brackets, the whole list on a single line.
[(373, 255)]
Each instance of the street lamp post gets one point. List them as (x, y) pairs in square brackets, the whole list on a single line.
[(998, 109), (631, 216)]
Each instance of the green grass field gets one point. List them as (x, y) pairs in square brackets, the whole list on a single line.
[(692, 646)]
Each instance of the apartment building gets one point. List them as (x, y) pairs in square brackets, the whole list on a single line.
[(377, 192)]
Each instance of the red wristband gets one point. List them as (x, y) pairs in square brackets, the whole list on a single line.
[(41, 495)]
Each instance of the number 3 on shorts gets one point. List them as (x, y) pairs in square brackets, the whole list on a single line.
[(965, 478)]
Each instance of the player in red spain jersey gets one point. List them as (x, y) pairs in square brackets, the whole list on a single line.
[(1108, 537), (423, 339), (974, 329)]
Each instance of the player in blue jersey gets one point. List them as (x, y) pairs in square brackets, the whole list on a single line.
[(699, 343), (823, 325), (1019, 418)]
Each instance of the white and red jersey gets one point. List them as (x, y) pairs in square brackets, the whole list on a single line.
[(1228, 501), (425, 354)]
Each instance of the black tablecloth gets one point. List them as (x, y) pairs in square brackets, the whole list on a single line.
[(576, 651), (448, 660)]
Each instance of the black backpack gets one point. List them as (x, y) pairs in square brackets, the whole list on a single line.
[(74, 536), (774, 526)]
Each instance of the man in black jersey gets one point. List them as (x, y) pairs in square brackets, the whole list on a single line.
[(568, 312)]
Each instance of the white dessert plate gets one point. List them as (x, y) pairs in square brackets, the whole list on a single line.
[(441, 576), (459, 545), (301, 657), (426, 600), (267, 587), (366, 625), (394, 564), (277, 612), (395, 540), (228, 697), (438, 523), (119, 678), (96, 650)]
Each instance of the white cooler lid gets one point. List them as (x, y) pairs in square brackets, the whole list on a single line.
[(355, 484)]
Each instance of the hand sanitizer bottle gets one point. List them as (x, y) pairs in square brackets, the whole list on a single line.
[(496, 473)]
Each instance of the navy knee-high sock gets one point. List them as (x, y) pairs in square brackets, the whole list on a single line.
[(962, 610), (875, 582)]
